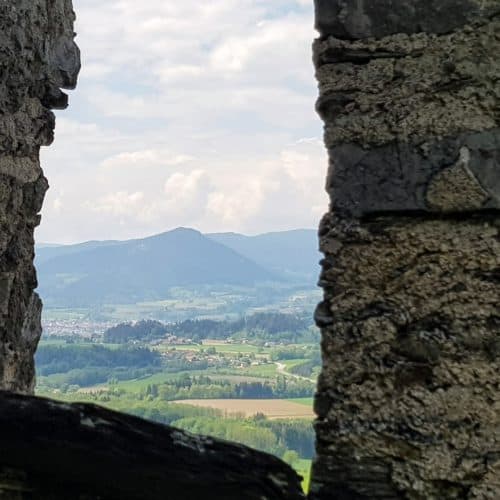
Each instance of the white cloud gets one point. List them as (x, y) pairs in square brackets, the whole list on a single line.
[(179, 73), (184, 192), (146, 158), (57, 205), (188, 113), (235, 207), (119, 203), (183, 195), (282, 191)]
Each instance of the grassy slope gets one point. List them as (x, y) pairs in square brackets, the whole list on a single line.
[(303, 468)]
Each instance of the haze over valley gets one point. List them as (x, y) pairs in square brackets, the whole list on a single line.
[(96, 274)]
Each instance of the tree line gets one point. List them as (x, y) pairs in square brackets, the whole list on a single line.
[(265, 325), (205, 387), (58, 359), (83, 366), (272, 436)]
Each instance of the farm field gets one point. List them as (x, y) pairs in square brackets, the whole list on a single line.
[(271, 408), (266, 370), (303, 401), (138, 385), (218, 346), (247, 387), (290, 363)]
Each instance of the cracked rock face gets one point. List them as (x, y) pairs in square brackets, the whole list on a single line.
[(408, 403), (38, 58)]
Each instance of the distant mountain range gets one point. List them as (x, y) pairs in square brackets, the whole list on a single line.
[(293, 253), (99, 272)]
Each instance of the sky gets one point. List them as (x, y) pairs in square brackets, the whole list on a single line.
[(187, 113)]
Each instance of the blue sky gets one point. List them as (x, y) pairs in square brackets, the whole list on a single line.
[(189, 113)]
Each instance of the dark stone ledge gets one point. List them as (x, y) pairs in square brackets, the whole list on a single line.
[(358, 19), (455, 174), (366, 479), (56, 451)]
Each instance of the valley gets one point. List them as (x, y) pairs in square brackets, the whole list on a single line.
[(209, 333), (249, 379)]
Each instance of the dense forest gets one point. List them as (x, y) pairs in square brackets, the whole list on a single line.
[(93, 364), (144, 330), (205, 387), (266, 326), (272, 436), (55, 359)]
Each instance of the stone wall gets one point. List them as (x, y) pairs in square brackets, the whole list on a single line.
[(37, 58), (408, 401)]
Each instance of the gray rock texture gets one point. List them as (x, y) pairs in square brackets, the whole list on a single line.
[(408, 403), (38, 58), (355, 19)]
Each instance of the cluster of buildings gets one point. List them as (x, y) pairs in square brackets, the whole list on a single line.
[(84, 329)]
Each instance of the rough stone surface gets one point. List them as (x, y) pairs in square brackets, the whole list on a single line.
[(409, 87), (354, 19), (458, 173), (55, 451), (37, 58), (407, 402)]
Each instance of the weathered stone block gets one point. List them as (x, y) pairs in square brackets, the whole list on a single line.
[(408, 88), (355, 19), (455, 174)]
